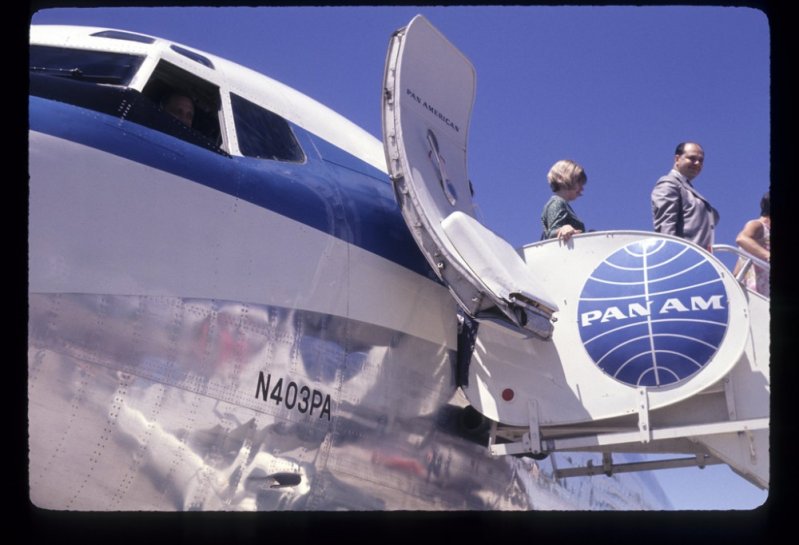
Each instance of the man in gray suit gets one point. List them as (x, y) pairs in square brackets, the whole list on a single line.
[(677, 208)]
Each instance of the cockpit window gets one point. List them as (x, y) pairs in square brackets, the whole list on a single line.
[(83, 65), (122, 35), (187, 98), (174, 101), (196, 57), (263, 134)]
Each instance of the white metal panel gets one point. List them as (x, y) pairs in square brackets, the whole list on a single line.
[(562, 375)]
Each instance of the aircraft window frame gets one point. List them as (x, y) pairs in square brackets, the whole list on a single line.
[(263, 134), (208, 120), (196, 57), (122, 35), (85, 64)]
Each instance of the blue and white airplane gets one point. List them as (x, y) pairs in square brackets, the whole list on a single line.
[(239, 300)]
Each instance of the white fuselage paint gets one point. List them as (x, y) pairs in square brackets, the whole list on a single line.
[(149, 231)]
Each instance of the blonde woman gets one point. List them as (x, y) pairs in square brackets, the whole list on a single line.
[(566, 179)]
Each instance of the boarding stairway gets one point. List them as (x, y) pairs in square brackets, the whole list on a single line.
[(619, 341), (717, 413)]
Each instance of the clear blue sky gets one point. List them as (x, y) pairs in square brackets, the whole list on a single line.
[(613, 88)]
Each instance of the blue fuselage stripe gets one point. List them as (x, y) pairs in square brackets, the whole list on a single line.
[(335, 193)]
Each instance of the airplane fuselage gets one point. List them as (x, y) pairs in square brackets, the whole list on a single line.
[(212, 329)]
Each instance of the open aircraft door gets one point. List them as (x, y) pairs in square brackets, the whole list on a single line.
[(429, 90), (620, 341)]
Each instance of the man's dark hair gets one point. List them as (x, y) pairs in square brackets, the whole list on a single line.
[(681, 147), (765, 205)]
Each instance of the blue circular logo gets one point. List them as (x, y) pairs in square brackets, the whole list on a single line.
[(653, 313)]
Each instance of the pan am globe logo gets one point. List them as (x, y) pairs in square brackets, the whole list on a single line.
[(653, 313)]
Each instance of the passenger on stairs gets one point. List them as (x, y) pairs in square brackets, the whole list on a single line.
[(566, 179), (755, 238)]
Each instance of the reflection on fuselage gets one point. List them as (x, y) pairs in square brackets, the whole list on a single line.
[(162, 397)]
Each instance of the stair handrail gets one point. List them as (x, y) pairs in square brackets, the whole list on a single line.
[(748, 259)]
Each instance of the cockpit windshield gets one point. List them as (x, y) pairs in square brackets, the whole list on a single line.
[(100, 81), (84, 65)]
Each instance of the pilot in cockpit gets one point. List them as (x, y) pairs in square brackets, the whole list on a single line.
[(180, 106)]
